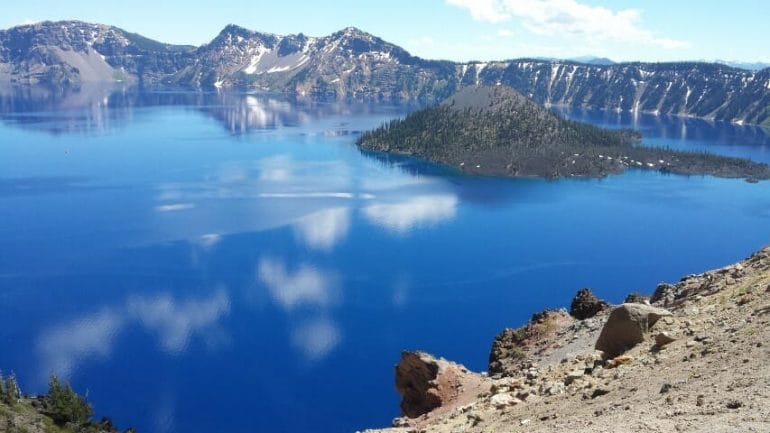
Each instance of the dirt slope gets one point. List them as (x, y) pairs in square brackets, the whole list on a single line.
[(713, 377)]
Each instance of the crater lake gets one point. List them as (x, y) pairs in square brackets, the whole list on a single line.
[(225, 262)]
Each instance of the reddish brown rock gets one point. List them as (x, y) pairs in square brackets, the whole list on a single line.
[(426, 383)]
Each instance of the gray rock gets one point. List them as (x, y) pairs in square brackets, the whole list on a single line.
[(503, 400), (662, 339), (586, 305), (552, 388), (664, 294), (572, 376), (635, 298), (626, 327), (400, 422)]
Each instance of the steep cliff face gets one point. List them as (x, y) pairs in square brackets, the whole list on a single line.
[(353, 63), (690, 89)]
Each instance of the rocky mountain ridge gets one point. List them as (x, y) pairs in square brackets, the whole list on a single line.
[(353, 63), (71, 52)]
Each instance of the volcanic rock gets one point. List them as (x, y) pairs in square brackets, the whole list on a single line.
[(626, 327), (585, 305)]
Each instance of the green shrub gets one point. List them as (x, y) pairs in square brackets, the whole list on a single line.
[(64, 405), (9, 390)]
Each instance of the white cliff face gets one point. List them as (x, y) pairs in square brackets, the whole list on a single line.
[(689, 89)]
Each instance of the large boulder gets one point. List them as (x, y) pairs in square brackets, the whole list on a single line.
[(626, 327), (586, 305)]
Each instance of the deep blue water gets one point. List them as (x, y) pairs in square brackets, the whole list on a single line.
[(232, 263)]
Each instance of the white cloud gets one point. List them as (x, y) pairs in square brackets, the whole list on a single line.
[(306, 286), (323, 229), (569, 18), (505, 33), (402, 217), (484, 10)]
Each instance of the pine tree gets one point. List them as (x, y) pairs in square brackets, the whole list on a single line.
[(9, 390), (12, 392), (65, 405)]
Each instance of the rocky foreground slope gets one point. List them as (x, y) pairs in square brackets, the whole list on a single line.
[(692, 358), (353, 63)]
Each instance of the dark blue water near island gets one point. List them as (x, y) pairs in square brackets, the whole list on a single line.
[(232, 263)]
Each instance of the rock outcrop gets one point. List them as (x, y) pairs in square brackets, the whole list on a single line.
[(512, 347), (426, 383), (627, 326), (417, 382), (585, 305)]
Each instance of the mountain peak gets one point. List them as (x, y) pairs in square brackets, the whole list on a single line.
[(234, 29), (352, 32)]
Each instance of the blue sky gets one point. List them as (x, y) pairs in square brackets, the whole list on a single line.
[(649, 30)]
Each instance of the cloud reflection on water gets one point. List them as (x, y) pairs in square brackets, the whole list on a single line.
[(317, 338), (322, 230), (63, 346), (307, 285), (318, 199), (402, 217), (176, 322)]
